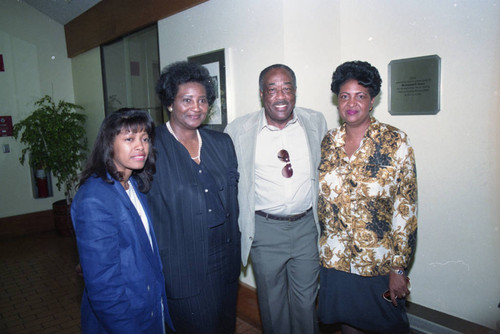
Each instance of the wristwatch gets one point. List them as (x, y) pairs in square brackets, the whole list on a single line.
[(398, 271)]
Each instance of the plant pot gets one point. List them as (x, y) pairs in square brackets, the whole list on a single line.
[(62, 218)]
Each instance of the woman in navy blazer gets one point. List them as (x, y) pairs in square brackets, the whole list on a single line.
[(194, 206), (124, 285)]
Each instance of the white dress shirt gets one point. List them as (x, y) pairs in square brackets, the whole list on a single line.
[(140, 210), (274, 193)]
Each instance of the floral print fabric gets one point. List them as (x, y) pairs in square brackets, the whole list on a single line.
[(367, 203)]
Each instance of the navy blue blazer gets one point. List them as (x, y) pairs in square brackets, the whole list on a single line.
[(124, 285), (178, 207)]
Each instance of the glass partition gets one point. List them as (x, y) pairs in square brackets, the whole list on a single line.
[(130, 68)]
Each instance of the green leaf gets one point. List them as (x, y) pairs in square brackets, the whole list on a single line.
[(54, 136)]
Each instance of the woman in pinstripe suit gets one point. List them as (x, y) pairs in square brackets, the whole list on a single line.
[(194, 206)]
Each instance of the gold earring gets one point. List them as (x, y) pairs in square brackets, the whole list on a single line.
[(371, 108)]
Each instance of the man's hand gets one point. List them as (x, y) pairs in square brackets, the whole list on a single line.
[(398, 286)]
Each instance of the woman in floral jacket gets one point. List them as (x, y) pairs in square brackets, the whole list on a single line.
[(368, 211)]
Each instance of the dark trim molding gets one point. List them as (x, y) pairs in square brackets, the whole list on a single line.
[(427, 320), (26, 224), (422, 319), (111, 19), (247, 306)]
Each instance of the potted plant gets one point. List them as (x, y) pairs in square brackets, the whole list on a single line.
[(55, 141)]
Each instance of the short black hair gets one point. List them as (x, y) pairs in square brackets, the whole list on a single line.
[(180, 73), (362, 71), (272, 67), (101, 162)]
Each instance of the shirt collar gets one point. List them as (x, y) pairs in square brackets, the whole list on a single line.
[(264, 124), (374, 126)]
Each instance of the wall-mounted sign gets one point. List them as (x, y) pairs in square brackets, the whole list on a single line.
[(414, 86), (5, 126)]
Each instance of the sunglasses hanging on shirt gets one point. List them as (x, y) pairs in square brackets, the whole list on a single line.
[(287, 170)]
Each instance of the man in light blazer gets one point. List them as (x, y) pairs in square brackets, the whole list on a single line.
[(278, 151)]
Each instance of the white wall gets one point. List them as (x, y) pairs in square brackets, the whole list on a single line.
[(34, 53), (458, 197), (456, 269), (88, 87)]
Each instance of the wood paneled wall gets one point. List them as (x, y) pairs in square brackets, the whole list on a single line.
[(111, 19), (28, 223), (247, 306)]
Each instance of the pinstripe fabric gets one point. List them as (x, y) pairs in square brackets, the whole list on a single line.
[(179, 214), (213, 310)]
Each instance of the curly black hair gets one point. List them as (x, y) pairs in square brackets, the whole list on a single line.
[(101, 162), (180, 73), (362, 71)]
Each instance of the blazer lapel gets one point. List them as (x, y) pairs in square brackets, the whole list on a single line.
[(311, 135), (213, 160), (247, 143), (136, 219), (155, 259)]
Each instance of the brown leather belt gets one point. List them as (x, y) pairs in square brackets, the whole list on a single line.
[(290, 218)]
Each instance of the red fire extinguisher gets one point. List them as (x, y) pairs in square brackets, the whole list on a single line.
[(42, 183)]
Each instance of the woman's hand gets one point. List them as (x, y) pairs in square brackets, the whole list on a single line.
[(398, 286)]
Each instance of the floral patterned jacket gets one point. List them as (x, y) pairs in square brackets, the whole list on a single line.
[(367, 204)]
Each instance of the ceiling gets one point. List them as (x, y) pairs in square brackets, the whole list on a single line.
[(62, 11)]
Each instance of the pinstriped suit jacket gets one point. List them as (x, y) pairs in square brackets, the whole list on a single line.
[(178, 209), (243, 132)]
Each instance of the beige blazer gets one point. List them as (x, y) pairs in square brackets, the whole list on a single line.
[(243, 132)]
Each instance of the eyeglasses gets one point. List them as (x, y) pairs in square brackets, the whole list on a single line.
[(287, 90), (287, 170)]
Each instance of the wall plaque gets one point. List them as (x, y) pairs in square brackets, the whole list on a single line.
[(414, 86)]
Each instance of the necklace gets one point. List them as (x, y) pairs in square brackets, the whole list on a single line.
[(200, 142)]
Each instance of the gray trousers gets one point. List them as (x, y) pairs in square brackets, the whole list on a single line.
[(285, 262)]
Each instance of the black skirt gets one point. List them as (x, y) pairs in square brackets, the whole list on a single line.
[(357, 301)]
